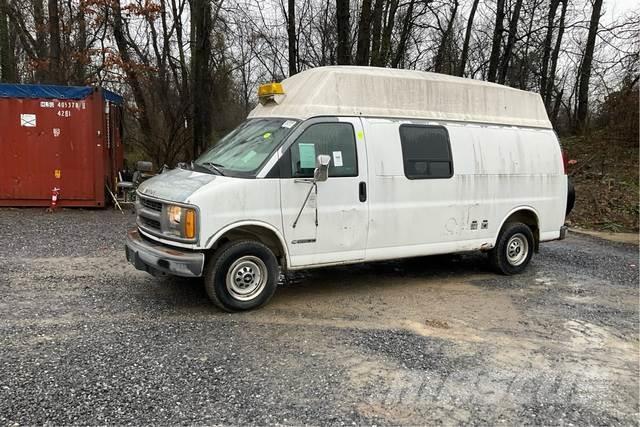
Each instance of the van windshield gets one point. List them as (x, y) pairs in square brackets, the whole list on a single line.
[(244, 150)]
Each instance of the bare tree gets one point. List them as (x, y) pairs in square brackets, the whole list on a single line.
[(364, 34), (7, 60), (443, 61), (292, 39), (546, 48), (342, 19), (467, 38), (511, 39), (496, 41), (376, 31), (548, 91), (585, 66), (54, 43), (201, 24)]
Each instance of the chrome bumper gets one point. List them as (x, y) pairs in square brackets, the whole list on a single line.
[(158, 259)]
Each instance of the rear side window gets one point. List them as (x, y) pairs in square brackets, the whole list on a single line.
[(334, 139), (426, 152)]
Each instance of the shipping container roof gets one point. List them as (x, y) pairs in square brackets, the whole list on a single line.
[(54, 92), (386, 92)]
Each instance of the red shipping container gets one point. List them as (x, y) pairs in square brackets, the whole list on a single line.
[(59, 136)]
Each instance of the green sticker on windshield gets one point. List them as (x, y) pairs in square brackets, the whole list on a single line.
[(307, 156), (267, 135)]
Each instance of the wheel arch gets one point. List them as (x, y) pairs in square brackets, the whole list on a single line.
[(252, 230), (528, 216)]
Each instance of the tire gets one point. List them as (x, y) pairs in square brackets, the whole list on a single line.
[(241, 275), (513, 250), (571, 197)]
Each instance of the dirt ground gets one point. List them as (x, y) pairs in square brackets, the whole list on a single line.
[(87, 339)]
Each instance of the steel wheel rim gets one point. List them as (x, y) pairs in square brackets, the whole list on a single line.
[(246, 278), (517, 249)]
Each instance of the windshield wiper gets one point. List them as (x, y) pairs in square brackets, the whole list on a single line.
[(215, 167)]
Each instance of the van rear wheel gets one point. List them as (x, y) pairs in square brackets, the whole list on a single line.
[(513, 250), (241, 275)]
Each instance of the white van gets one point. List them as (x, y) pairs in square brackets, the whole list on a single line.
[(340, 165)]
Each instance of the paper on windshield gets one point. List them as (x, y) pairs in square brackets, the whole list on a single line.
[(337, 159), (307, 155)]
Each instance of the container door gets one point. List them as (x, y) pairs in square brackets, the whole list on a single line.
[(71, 124), (332, 225)]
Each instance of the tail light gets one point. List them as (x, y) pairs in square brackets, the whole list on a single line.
[(565, 161)]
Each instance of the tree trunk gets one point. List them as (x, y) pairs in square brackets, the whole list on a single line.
[(524, 66), (41, 40), (342, 17), (407, 25), (55, 69), (7, 59), (443, 61), (79, 74), (376, 32), (585, 67), (201, 88), (133, 78), (511, 39), (546, 48), (385, 42), (177, 16), (496, 41), (467, 38), (291, 35), (364, 34), (554, 58)]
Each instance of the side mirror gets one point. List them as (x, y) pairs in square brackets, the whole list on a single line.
[(321, 173)]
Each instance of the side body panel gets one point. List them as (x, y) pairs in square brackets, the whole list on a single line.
[(497, 170)]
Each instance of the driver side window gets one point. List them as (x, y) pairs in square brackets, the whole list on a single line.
[(336, 140)]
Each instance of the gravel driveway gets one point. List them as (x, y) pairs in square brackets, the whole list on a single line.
[(87, 339)]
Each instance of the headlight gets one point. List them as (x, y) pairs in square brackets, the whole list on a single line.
[(174, 213), (181, 221)]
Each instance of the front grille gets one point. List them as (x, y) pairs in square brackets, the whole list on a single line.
[(151, 204), (151, 223), (149, 214)]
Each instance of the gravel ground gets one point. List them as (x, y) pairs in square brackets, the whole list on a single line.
[(87, 339)]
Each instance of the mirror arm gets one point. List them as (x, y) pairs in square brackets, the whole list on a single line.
[(313, 186)]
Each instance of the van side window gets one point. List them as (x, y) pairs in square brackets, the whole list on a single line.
[(334, 139), (426, 152)]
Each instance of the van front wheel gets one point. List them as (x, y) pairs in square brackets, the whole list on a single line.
[(513, 250), (241, 275)]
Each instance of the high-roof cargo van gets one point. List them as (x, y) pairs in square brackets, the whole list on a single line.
[(340, 165)]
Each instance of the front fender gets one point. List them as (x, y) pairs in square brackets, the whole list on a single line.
[(238, 224)]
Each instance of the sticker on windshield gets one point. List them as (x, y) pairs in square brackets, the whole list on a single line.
[(337, 159), (288, 124), (267, 135), (307, 156)]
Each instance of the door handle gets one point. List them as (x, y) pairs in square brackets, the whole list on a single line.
[(362, 191)]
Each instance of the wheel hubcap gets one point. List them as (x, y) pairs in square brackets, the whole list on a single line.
[(246, 278), (517, 249)]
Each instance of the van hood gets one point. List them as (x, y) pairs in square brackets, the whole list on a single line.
[(176, 185)]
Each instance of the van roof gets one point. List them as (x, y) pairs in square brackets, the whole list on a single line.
[(387, 92)]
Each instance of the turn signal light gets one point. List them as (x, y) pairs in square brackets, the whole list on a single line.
[(190, 224)]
